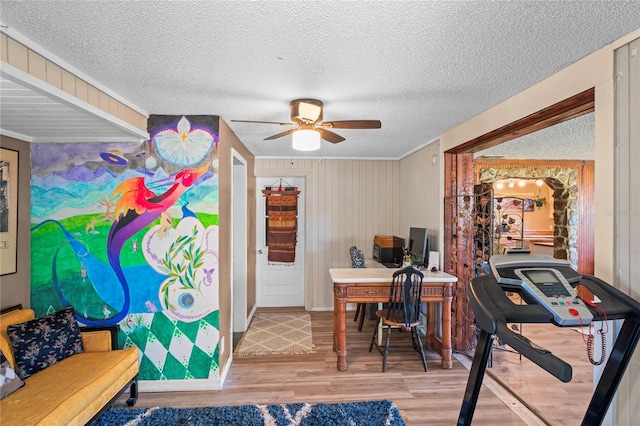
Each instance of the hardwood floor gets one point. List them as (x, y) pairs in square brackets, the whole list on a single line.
[(557, 402), (431, 398)]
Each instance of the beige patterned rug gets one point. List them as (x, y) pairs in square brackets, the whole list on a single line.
[(277, 333)]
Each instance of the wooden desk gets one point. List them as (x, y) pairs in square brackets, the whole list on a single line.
[(372, 285)]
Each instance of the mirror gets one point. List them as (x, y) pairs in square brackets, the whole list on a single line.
[(542, 166)]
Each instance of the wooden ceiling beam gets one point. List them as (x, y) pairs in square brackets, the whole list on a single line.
[(576, 106)]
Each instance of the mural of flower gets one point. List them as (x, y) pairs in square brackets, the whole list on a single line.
[(187, 256), (183, 146)]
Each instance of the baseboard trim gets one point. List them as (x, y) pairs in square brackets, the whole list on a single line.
[(180, 385)]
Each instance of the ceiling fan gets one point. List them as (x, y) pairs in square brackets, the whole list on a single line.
[(307, 115)]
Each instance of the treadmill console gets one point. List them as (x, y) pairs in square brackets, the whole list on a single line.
[(548, 281), (504, 267)]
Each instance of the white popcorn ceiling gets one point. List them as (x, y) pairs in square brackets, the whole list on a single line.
[(421, 67)]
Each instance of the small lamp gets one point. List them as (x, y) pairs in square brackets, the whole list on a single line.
[(306, 140)]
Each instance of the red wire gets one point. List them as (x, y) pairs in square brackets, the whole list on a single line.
[(582, 329), (604, 314), (589, 340)]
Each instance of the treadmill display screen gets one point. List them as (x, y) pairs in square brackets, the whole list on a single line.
[(541, 277), (547, 282)]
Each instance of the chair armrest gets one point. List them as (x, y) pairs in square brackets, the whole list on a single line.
[(99, 339)]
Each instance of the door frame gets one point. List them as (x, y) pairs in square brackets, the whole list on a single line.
[(239, 242), (301, 182), (459, 178)]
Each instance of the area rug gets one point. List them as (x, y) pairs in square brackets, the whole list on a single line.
[(277, 333), (369, 413)]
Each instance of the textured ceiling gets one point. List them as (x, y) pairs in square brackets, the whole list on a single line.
[(421, 67)]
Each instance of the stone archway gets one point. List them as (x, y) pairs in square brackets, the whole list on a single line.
[(563, 182)]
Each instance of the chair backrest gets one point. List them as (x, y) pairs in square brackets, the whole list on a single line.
[(405, 297), (357, 257)]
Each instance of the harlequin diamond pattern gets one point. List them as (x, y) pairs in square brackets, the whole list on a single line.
[(170, 349)]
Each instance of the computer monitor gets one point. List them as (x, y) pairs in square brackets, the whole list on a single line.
[(418, 244)]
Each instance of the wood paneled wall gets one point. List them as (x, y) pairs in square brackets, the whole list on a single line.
[(350, 201), (347, 203), (420, 177), (626, 212), (34, 64)]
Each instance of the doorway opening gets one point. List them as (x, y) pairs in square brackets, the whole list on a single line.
[(572, 183), (280, 283), (568, 187), (239, 244), (460, 178)]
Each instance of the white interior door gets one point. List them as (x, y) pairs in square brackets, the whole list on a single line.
[(279, 284)]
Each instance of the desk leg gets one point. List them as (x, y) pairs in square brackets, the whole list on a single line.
[(431, 325), (340, 328), (335, 322), (446, 330)]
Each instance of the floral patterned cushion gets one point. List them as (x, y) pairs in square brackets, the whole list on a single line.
[(9, 381), (357, 257), (41, 342)]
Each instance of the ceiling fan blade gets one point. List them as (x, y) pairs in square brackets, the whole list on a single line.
[(279, 135), (264, 122), (330, 136), (351, 124)]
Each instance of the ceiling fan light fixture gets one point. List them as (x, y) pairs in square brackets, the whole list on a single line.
[(306, 140), (305, 110)]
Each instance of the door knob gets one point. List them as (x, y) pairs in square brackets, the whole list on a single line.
[(259, 251)]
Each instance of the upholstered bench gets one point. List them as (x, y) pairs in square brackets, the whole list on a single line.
[(70, 391)]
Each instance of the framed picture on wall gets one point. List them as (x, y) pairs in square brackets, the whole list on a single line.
[(8, 211), (529, 204), (519, 202)]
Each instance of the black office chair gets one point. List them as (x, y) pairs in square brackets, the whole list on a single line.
[(402, 311), (357, 261)]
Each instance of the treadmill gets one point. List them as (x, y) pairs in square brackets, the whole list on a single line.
[(547, 285)]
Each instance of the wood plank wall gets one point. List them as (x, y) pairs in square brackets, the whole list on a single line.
[(420, 196), (626, 212), (350, 201), (347, 203), (32, 63)]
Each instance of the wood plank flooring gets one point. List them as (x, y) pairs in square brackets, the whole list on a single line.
[(557, 402), (431, 398)]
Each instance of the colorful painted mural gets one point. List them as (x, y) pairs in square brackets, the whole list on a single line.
[(127, 234)]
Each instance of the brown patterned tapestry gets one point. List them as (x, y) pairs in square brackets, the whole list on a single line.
[(282, 212)]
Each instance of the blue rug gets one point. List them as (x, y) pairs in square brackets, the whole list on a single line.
[(369, 413)]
